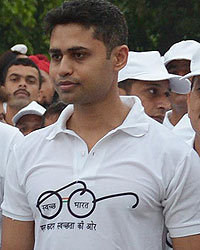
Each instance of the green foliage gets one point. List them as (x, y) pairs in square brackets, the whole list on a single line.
[(21, 21), (153, 25)]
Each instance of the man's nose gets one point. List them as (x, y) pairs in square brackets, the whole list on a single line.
[(65, 67), (164, 103), (22, 83)]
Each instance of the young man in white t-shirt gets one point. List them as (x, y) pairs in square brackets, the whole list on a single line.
[(9, 136), (190, 129), (177, 60), (145, 76), (105, 175)]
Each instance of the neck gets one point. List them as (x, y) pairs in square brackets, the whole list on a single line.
[(10, 112), (92, 121), (175, 116), (197, 144)]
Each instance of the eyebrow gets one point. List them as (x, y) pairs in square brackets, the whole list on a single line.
[(154, 85), (18, 75), (58, 51)]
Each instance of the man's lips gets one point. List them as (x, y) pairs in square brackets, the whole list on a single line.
[(22, 92), (66, 85)]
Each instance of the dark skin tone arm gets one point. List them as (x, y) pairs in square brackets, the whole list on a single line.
[(17, 235), (187, 243)]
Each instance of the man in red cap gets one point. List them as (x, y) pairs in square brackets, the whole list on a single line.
[(47, 89)]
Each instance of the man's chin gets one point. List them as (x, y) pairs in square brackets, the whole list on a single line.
[(19, 103)]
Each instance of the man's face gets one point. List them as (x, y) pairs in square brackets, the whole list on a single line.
[(194, 105), (178, 102), (28, 123), (21, 85), (81, 72), (154, 97), (47, 89), (178, 67)]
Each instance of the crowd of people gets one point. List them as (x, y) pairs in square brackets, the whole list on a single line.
[(100, 145)]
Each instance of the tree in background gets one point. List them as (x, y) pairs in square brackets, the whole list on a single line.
[(153, 25), (21, 21)]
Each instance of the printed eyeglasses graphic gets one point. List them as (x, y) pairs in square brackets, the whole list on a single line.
[(81, 202)]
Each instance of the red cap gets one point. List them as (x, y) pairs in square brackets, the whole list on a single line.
[(41, 61)]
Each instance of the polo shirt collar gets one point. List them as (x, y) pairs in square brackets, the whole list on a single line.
[(136, 123)]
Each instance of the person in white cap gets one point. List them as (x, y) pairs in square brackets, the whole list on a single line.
[(29, 118), (9, 136), (146, 77), (105, 175), (21, 48), (189, 127), (177, 60)]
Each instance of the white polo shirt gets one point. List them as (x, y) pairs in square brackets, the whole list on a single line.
[(9, 136), (184, 128), (117, 196), (166, 121)]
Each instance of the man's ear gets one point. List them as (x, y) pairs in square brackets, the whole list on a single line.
[(120, 57), (2, 87)]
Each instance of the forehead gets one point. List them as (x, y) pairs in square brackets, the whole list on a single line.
[(23, 71), (156, 84), (70, 35), (179, 65), (29, 119), (45, 76)]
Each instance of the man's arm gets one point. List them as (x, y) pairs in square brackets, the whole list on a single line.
[(187, 243), (17, 235)]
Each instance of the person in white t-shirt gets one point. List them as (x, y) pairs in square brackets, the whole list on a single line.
[(177, 60), (9, 136), (191, 121), (145, 76), (29, 118), (105, 175)]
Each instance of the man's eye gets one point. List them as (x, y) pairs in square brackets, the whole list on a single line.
[(31, 81), (167, 94), (152, 91), (14, 79), (56, 57), (79, 55)]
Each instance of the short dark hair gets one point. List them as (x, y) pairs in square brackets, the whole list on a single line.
[(24, 62), (5, 59), (54, 108), (108, 22), (126, 85)]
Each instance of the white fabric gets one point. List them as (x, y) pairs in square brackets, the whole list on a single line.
[(190, 142), (9, 136), (149, 66), (5, 107), (184, 128), (183, 50), (32, 108), (88, 201), (195, 65), (22, 48), (166, 121)]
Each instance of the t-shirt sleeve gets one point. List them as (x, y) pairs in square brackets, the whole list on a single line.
[(15, 204), (182, 198)]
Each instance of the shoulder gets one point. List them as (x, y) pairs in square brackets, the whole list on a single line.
[(164, 139), (9, 133)]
